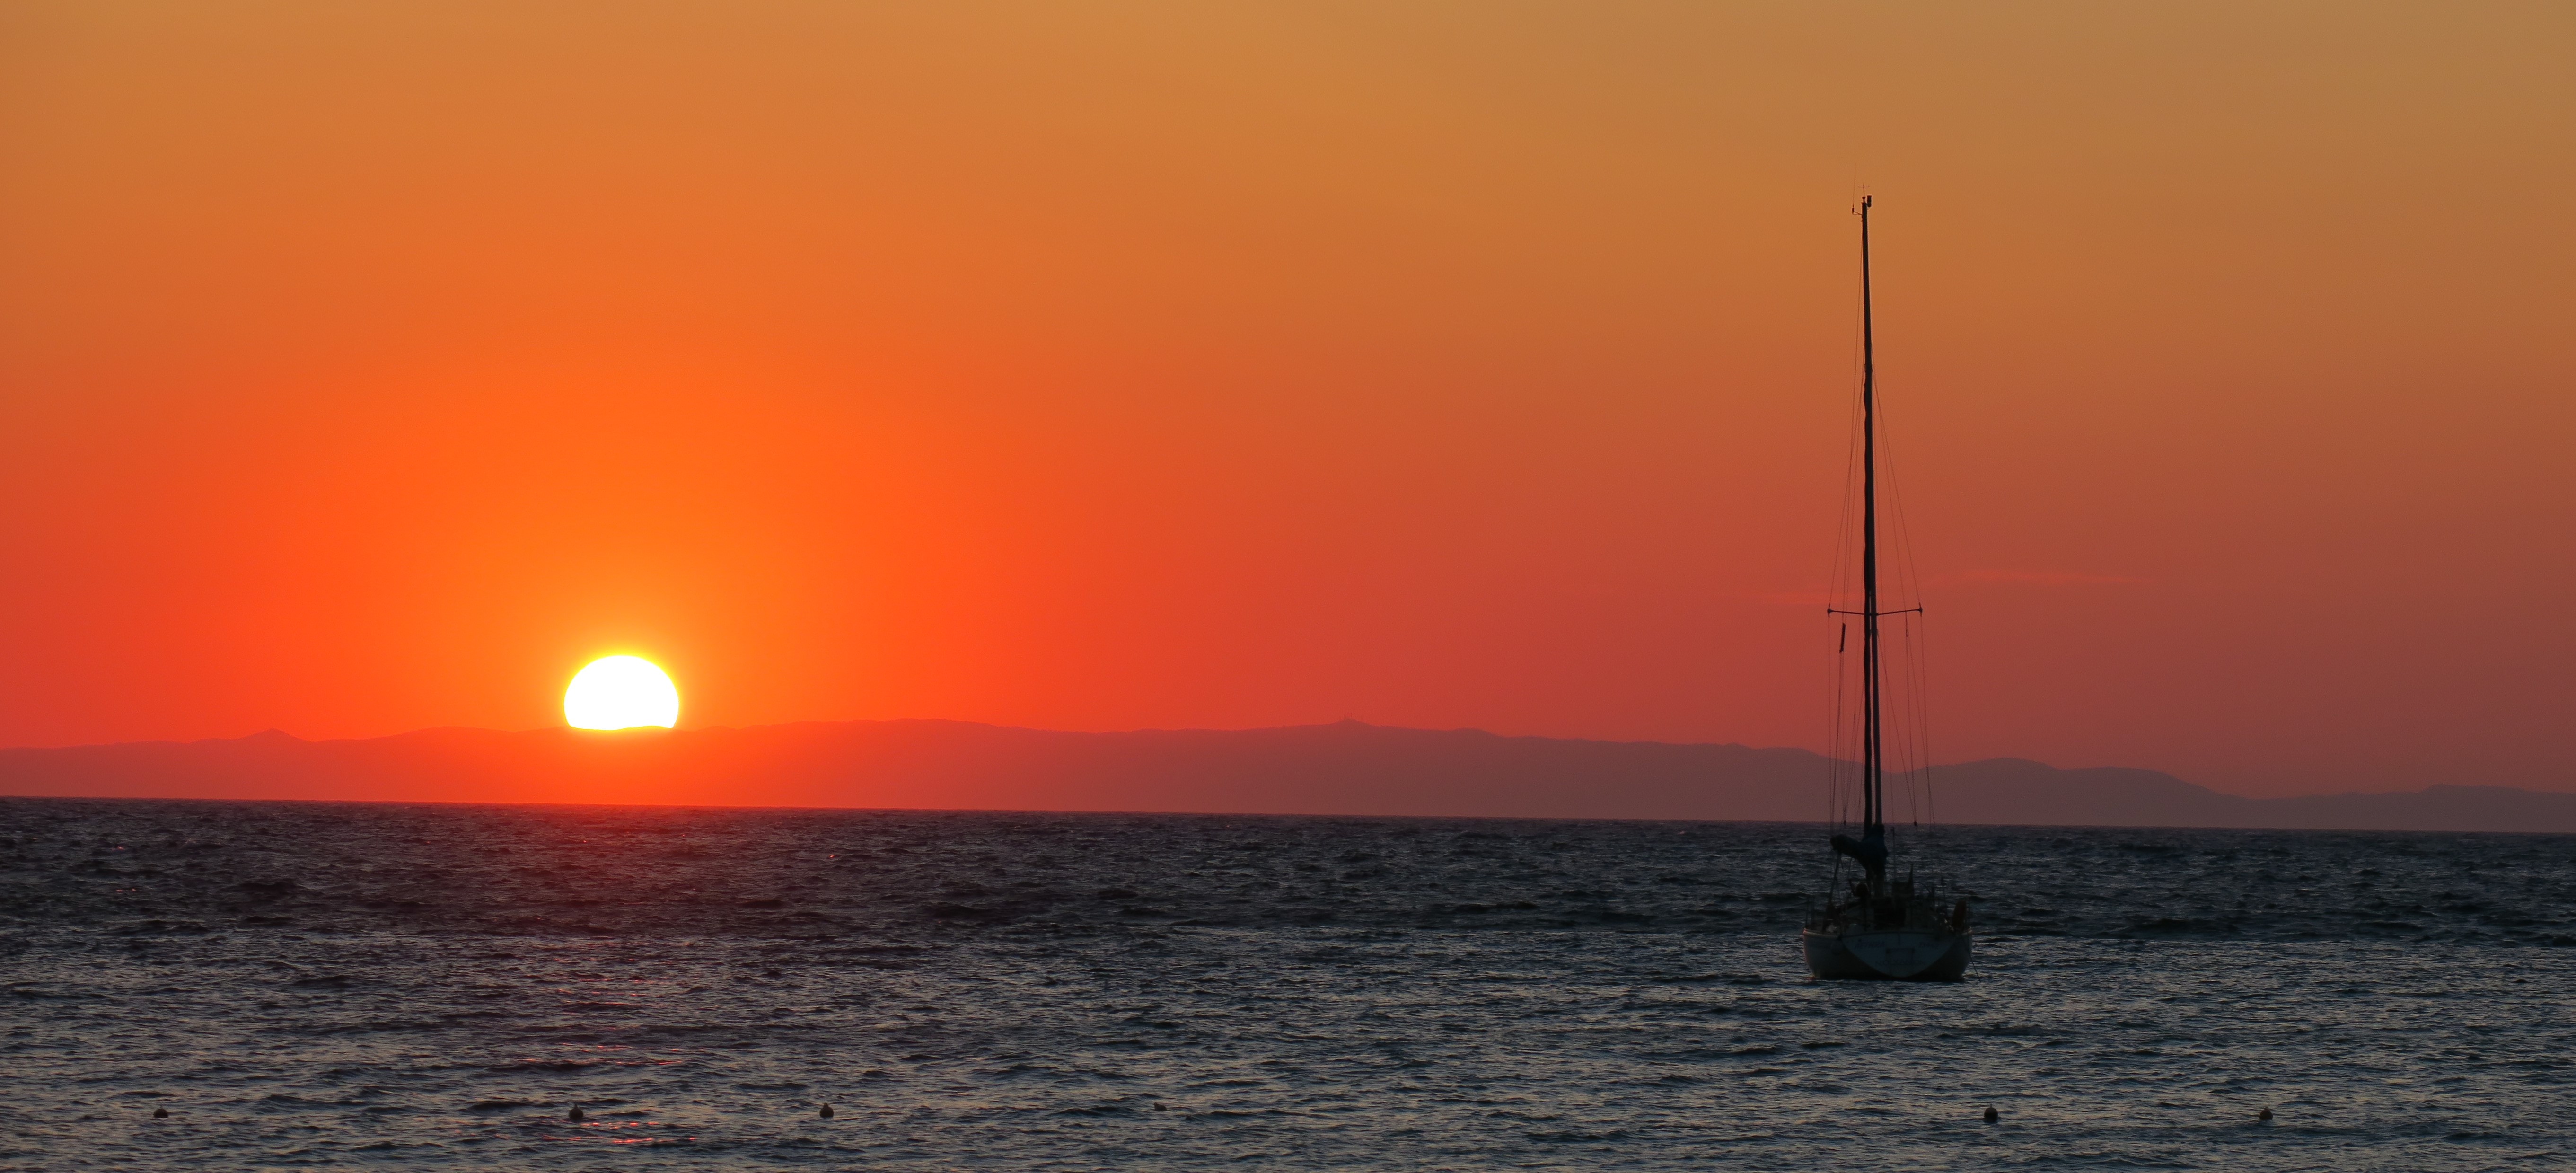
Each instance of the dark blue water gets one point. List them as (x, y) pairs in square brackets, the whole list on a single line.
[(347, 985)]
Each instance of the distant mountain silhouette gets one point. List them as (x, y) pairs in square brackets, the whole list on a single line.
[(1347, 768)]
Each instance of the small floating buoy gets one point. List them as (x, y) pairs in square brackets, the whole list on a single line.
[(1992, 1115), (160, 1113), (575, 1114), (2265, 1114), (827, 1112)]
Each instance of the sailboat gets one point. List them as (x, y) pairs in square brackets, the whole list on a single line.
[(1878, 926)]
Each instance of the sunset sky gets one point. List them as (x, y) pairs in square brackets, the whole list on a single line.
[(1103, 366)]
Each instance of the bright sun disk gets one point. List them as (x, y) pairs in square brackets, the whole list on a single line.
[(621, 692)]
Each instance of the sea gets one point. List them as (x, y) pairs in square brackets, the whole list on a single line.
[(248, 985)]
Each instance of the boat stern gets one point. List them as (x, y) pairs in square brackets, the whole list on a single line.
[(1905, 955)]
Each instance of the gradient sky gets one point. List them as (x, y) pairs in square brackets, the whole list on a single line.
[(371, 367)]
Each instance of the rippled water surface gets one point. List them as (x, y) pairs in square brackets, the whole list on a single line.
[(338, 985)]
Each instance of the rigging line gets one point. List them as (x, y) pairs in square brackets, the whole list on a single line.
[(1920, 642), (1873, 736), (1914, 734), (1833, 742), (1923, 709), (1842, 767), (1833, 727), (1845, 526), (1839, 777), (1902, 529), (1836, 783), (1918, 746), (1834, 685), (1888, 469), (1838, 716), (1914, 700), (1903, 723), (1915, 797), (1855, 438), (1838, 685), (1839, 558)]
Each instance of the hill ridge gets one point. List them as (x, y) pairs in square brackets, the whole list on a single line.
[(1347, 767)]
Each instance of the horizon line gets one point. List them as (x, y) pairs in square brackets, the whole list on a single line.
[(657, 731)]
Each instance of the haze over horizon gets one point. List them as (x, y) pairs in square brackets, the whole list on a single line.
[(371, 369), (1944, 764), (1344, 769)]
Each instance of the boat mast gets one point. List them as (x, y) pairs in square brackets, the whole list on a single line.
[(1873, 822), (1871, 848)]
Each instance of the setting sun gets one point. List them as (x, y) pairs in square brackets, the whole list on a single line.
[(621, 692)]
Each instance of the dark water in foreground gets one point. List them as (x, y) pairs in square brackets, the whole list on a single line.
[(341, 985)]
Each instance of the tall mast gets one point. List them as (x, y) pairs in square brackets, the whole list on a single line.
[(1873, 822), (1871, 848)]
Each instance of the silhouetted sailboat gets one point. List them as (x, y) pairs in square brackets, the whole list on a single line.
[(1878, 927)]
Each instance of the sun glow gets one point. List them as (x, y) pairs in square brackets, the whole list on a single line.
[(621, 692)]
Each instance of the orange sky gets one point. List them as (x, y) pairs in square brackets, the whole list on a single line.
[(370, 367)]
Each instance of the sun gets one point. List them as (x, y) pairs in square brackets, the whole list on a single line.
[(621, 692)]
